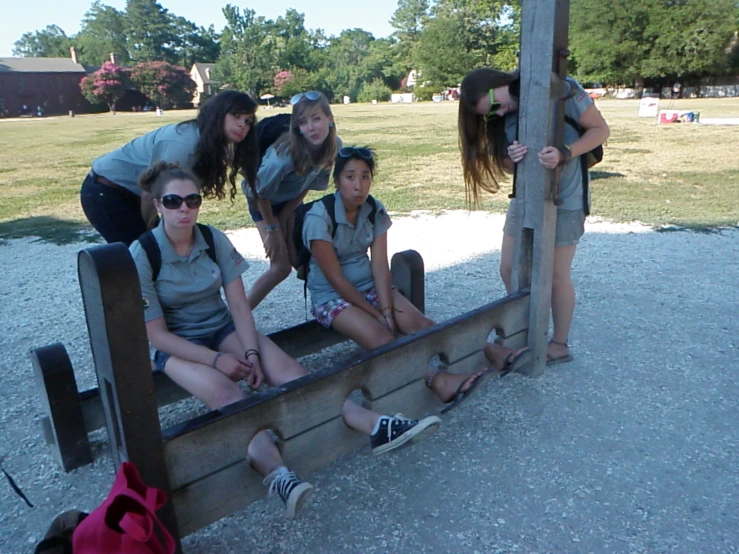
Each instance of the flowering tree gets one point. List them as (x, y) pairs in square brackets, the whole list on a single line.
[(108, 84), (165, 84), (281, 78)]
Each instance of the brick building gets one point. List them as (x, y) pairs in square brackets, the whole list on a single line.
[(50, 83)]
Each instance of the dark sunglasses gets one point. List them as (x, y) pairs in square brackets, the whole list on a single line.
[(349, 151), (311, 95), (494, 106), (174, 201)]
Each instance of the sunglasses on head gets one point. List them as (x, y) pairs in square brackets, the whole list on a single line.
[(494, 106), (349, 151), (311, 95), (174, 201)]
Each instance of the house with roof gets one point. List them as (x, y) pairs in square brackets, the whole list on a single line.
[(52, 84), (206, 86)]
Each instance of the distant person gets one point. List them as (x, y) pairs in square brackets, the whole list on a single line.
[(352, 291), (207, 346), (488, 121), (298, 162), (217, 146), (676, 88)]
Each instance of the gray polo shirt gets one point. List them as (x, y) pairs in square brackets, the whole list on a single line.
[(171, 143), (187, 292), (351, 244), (570, 186), (278, 181)]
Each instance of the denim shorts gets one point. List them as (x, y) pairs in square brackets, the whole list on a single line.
[(570, 226), (326, 313), (256, 215), (213, 342)]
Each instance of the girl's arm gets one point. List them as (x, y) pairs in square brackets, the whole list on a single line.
[(382, 278), (325, 255), (291, 205), (162, 339), (246, 329), (596, 132)]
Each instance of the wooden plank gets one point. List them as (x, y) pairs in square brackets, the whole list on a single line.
[(235, 486), (540, 91), (64, 426), (115, 322), (408, 275), (217, 439)]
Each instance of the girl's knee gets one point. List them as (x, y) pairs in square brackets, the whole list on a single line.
[(380, 338), (224, 394)]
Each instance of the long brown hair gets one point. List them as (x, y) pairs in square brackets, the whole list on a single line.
[(305, 159), (213, 156), (482, 140)]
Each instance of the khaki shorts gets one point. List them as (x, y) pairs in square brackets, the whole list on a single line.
[(570, 225)]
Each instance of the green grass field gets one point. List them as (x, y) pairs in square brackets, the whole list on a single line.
[(681, 174)]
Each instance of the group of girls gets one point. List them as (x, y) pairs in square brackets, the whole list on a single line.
[(158, 181)]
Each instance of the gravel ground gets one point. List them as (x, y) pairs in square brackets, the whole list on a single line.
[(631, 448)]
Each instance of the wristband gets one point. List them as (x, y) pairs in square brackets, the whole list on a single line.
[(215, 360), (270, 227), (254, 352)]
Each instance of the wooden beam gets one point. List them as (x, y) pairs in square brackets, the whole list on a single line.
[(543, 35), (209, 442), (115, 322), (235, 486)]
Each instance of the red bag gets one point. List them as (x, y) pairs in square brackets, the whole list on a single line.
[(125, 523)]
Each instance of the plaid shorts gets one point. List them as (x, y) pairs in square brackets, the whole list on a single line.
[(326, 313)]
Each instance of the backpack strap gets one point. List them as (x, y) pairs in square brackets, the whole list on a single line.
[(583, 166), (373, 212), (329, 202), (207, 233), (151, 247)]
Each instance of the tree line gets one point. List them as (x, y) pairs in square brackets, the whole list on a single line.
[(619, 42)]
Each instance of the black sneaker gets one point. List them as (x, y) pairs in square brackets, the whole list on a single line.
[(290, 489), (396, 431)]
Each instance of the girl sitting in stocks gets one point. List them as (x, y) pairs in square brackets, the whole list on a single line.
[(299, 161), (353, 294), (207, 347), (220, 137), (488, 120)]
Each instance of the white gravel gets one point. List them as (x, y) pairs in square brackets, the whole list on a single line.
[(631, 448)]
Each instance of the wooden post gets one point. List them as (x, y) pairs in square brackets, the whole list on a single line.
[(114, 310), (544, 27)]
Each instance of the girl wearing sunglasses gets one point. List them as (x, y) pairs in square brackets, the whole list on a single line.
[(488, 121), (207, 346), (216, 146), (298, 162), (351, 291)]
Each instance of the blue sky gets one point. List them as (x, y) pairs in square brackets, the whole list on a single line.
[(331, 15)]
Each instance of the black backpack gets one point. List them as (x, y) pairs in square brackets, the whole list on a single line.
[(302, 257), (150, 246), (270, 129)]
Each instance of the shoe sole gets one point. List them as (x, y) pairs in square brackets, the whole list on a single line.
[(297, 499), (423, 429)]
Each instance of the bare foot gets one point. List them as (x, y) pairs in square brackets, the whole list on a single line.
[(446, 385), (501, 356)]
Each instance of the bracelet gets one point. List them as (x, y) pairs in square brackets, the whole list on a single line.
[(390, 309), (270, 227), (566, 155), (250, 352), (215, 360)]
